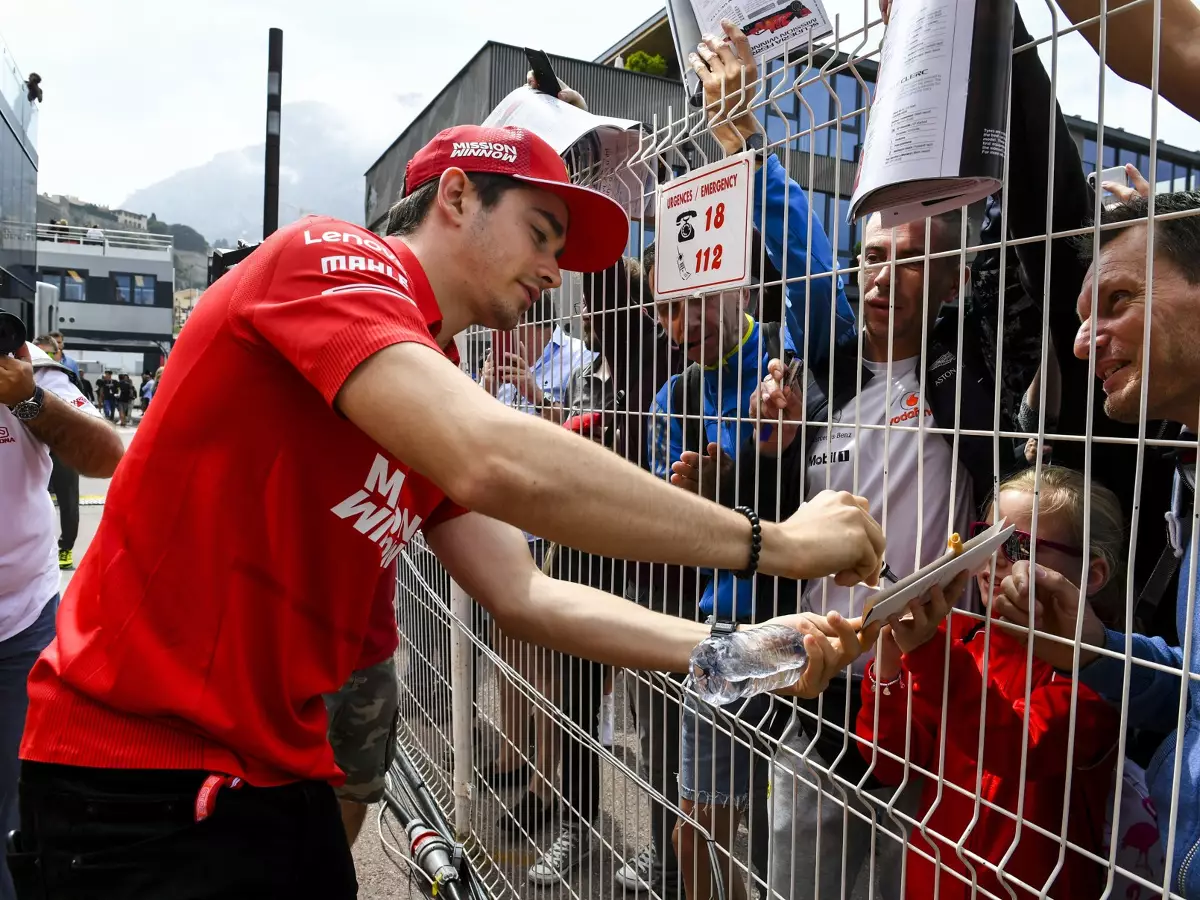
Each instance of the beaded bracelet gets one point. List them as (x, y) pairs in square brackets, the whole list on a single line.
[(755, 541)]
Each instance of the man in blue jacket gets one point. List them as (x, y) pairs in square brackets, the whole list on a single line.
[(700, 419), (1172, 370)]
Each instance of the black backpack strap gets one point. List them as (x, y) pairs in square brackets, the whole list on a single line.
[(1155, 589), (685, 391), (1146, 608)]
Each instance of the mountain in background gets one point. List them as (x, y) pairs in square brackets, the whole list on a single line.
[(320, 171)]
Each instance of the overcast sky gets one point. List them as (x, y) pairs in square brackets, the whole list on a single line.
[(136, 90)]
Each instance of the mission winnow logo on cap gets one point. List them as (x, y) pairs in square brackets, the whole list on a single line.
[(597, 227), (484, 150)]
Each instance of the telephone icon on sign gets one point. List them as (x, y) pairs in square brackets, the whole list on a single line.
[(683, 269), (684, 221)]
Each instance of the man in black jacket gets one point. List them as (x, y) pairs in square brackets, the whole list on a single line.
[(892, 416)]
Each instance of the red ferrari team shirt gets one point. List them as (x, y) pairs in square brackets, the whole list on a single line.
[(382, 637), (234, 574)]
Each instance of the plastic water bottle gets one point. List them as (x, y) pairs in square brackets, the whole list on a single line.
[(728, 667)]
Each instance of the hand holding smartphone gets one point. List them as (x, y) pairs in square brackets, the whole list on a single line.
[(1116, 175), (543, 72), (503, 343)]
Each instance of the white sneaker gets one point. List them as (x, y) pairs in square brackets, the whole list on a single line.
[(639, 873), (608, 715), (561, 858)]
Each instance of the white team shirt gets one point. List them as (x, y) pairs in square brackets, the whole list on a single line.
[(833, 456), (29, 572)]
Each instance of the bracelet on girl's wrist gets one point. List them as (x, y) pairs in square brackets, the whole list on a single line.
[(885, 686)]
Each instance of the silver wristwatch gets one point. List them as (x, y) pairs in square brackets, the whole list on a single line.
[(28, 410)]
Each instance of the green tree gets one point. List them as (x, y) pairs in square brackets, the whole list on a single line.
[(641, 61), (187, 238)]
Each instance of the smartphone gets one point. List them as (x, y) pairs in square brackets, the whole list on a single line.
[(791, 378), (503, 343), (1116, 175), (543, 72)]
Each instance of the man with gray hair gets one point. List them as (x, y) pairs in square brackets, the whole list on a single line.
[(869, 415), (906, 309)]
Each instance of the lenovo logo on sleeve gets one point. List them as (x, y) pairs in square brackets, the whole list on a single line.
[(484, 150)]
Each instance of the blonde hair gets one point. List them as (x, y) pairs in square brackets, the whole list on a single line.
[(1064, 491)]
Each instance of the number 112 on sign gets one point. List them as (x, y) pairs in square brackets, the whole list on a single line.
[(703, 222), (703, 259)]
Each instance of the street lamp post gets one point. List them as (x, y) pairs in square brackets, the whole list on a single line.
[(271, 169)]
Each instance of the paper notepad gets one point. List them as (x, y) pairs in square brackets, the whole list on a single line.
[(974, 556)]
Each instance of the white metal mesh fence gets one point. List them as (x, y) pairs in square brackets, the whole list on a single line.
[(966, 761)]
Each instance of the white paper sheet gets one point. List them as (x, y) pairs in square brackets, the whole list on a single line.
[(558, 124), (771, 25), (895, 598), (603, 145)]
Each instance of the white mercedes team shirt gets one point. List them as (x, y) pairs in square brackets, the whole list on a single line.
[(831, 464), (29, 572)]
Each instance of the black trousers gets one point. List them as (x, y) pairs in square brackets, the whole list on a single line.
[(64, 483), (581, 683), (132, 834), (659, 718)]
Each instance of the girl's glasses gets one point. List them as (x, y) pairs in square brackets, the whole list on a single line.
[(1017, 546)]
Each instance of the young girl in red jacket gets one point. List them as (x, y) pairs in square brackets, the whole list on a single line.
[(1024, 760)]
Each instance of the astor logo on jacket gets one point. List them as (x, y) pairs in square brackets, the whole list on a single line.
[(378, 513)]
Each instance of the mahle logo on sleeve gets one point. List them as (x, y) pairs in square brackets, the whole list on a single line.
[(377, 512), (484, 150)]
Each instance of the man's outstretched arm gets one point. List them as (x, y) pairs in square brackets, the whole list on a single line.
[(86, 443), (520, 469), (491, 561), (1129, 48)]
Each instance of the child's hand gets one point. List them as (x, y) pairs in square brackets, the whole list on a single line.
[(1057, 605), (887, 657), (922, 621)]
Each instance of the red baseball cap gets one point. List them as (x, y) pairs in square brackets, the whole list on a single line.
[(597, 228)]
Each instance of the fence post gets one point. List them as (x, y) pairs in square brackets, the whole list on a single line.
[(462, 695)]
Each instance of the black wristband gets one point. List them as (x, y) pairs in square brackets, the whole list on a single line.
[(755, 542)]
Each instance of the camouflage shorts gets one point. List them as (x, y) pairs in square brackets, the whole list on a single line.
[(362, 728)]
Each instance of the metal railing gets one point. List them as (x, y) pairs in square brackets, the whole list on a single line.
[(106, 238), (979, 769)]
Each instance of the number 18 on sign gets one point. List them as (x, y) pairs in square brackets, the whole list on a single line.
[(702, 229)]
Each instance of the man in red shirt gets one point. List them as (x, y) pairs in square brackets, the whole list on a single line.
[(176, 739)]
